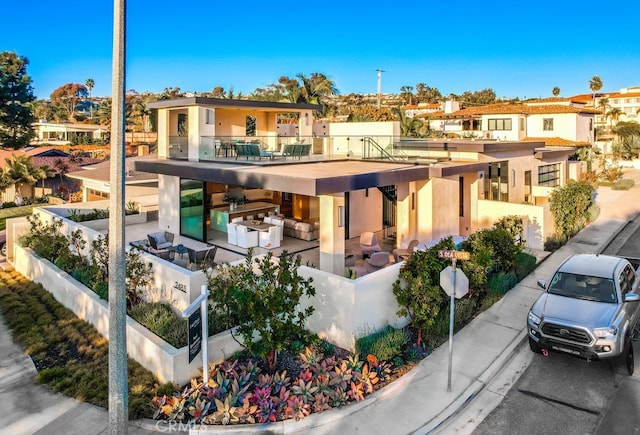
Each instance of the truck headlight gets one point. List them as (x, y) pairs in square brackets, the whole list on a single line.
[(609, 331), (534, 319)]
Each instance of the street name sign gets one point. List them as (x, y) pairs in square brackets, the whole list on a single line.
[(454, 255)]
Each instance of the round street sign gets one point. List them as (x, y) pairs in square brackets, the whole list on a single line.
[(461, 282)]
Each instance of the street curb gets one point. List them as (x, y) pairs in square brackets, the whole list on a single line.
[(459, 404)]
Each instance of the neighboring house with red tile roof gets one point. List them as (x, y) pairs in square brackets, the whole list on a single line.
[(544, 119), (626, 100), (43, 156)]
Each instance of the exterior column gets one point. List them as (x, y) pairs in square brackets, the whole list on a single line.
[(406, 214), (163, 132), (332, 234), (193, 122)]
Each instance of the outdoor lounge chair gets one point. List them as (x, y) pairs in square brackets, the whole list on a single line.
[(368, 243), (160, 240), (379, 260), (251, 150), (196, 258), (399, 253)]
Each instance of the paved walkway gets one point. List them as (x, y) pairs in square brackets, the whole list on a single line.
[(417, 403)]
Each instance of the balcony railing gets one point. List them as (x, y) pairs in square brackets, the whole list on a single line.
[(212, 148), (178, 147)]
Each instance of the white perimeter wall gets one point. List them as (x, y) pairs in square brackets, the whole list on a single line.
[(537, 219)]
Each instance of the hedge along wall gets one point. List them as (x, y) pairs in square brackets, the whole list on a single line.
[(171, 283), (152, 352)]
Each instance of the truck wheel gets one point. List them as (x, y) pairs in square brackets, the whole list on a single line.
[(626, 360), (535, 347)]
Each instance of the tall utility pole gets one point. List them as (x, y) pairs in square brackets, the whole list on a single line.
[(118, 391), (380, 71)]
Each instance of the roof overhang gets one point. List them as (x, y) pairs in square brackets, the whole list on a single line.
[(264, 106), (553, 152), (306, 178)]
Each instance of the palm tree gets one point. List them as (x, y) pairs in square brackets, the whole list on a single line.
[(21, 171), (555, 91), (5, 180), (90, 84), (316, 87), (44, 172), (613, 115), (62, 167), (595, 84)]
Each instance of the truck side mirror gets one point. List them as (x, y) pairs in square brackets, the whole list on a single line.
[(542, 284), (631, 297)]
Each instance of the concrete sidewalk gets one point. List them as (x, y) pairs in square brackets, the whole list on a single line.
[(417, 403)]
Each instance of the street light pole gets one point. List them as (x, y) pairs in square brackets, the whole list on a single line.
[(380, 71), (118, 394)]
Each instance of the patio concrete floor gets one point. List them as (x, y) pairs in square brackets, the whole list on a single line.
[(308, 250)]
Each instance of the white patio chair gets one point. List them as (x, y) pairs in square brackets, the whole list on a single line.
[(270, 239), (232, 234), (247, 238)]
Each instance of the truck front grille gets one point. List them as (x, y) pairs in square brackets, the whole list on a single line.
[(566, 333)]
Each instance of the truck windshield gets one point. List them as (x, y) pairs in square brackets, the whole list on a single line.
[(591, 288)]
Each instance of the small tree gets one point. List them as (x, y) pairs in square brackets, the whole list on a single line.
[(138, 274), (264, 296), (417, 288), (571, 207)]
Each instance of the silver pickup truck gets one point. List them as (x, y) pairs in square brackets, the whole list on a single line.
[(590, 309)]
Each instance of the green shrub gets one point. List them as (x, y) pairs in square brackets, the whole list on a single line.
[(102, 289), (464, 311), (524, 264), (160, 319), (554, 242), (570, 206), (86, 274), (386, 344), (501, 282), (624, 184)]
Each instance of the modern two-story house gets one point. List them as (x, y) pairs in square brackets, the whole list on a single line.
[(422, 189)]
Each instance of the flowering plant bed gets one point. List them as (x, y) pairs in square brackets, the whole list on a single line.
[(242, 391)]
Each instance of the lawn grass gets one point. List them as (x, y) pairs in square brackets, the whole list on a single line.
[(11, 212), (71, 356)]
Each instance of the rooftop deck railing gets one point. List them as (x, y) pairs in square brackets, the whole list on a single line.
[(213, 148)]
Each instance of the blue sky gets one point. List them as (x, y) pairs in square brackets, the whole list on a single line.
[(519, 49)]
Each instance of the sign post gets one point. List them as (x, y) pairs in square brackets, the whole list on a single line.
[(456, 284), (197, 314)]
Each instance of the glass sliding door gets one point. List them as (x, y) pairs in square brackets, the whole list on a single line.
[(192, 209)]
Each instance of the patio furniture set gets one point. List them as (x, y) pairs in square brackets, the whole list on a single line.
[(250, 233), (373, 255), (254, 150), (161, 245)]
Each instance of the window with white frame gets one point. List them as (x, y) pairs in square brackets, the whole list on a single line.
[(549, 175), (547, 124), (499, 124), (208, 116)]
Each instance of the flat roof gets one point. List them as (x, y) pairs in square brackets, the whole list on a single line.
[(267, 106), (311, 178)]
